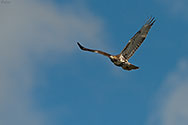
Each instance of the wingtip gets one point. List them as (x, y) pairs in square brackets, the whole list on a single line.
[(151, 20), (81, 47)]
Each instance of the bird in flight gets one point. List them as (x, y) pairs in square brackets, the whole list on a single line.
[(133, 44)]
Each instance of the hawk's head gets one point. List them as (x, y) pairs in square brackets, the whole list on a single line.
[(113, 58)]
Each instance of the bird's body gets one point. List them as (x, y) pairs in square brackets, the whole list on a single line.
[(121, 59), (118, 60)]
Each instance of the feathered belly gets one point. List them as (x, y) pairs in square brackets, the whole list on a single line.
[(119, 63)]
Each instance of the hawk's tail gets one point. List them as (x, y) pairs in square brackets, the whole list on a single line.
[(130, 67), (133, 66)]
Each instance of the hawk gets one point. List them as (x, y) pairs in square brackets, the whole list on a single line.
[(133, 44)]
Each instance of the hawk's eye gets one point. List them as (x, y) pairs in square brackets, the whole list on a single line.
[(113, 60)]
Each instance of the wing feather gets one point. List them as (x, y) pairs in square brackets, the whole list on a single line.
[(91, 50), (135, 42)]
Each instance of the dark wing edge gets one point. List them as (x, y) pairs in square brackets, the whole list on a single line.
[(91, 50), (135, 42)]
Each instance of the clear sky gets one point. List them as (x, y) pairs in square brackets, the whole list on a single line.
[(45, 79)]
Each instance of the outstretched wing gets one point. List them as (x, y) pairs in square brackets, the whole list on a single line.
[(135, 42), (91, 50)]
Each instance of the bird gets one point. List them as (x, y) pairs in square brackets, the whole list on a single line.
[(133, 44)]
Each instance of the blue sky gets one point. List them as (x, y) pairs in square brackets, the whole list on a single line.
[(46, 80)]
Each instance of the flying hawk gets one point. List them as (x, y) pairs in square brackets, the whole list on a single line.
[(133, 44)]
